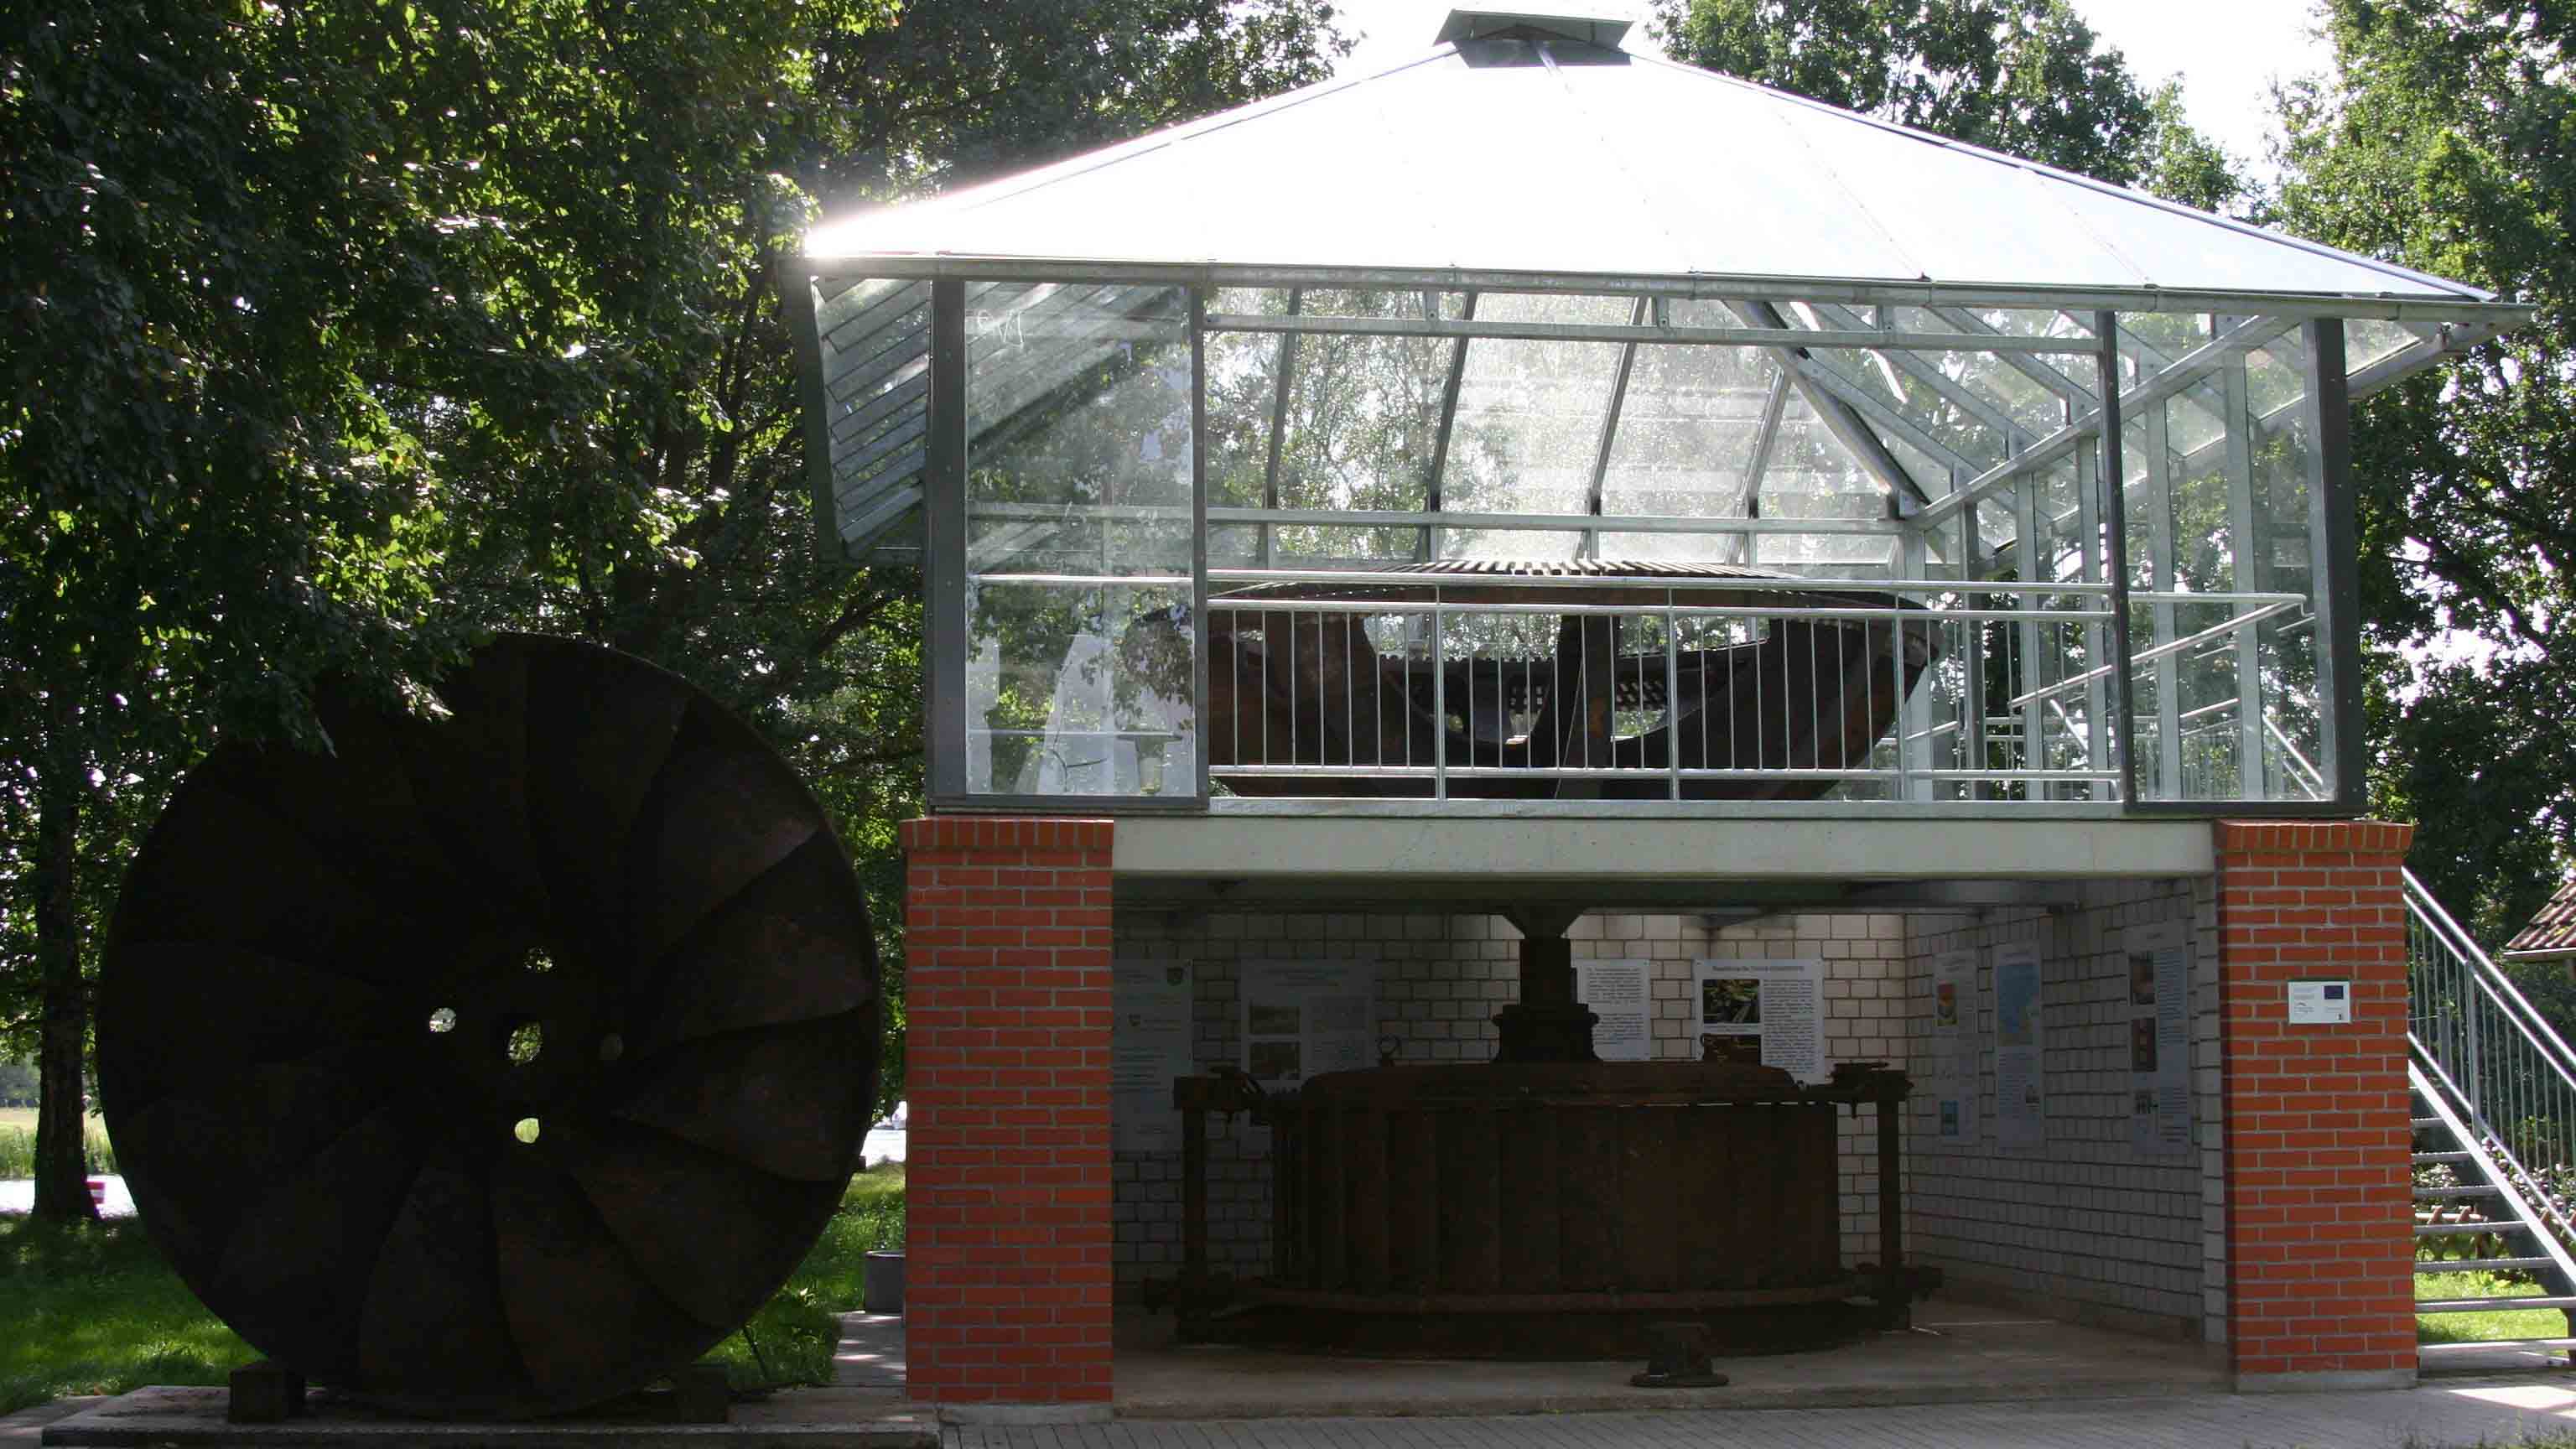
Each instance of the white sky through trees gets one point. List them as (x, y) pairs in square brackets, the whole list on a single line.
[(2226, 51)]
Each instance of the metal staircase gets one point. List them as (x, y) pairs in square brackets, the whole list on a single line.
[(2494, 1132)]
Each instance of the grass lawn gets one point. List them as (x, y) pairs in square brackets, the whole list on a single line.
[(2483, 1327), (96, 1311), (22, 1119)]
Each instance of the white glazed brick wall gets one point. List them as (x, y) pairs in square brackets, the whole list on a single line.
[(2085, 1222), (1864, 1000), (1441, 978)]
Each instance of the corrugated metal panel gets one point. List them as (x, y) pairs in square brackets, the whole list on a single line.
[(2551, 933), (1484, 156), (875, 338)]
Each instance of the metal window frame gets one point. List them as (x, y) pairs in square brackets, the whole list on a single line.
[(2336, 536), (2334, 591), (2219, 361), (1704, 286), (945, 570)]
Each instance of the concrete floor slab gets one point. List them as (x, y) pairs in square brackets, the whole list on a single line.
[(2450, 1416), (871, 1352), (1976, 1356)]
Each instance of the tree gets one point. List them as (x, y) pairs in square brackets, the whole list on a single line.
[(343, 333), (2445, 139), (633, 462), (2025, 77), (199, 496)]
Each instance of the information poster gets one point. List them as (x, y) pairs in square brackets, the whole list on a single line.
[(2021, 1105), (1618, 993), (1302, 1019), (1149, 1046), (1766, 1012), (2159, 1013), (1954, 1049)]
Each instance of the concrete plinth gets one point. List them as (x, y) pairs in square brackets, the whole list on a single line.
[(185, 1418)]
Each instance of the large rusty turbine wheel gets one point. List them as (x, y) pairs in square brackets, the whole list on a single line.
[(496, 1066)]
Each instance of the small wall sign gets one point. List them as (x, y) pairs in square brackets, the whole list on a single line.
[(2320, 1003)]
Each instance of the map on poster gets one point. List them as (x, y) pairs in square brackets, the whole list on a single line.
[(1954, 1049), (2021, 1102), (2159, 1017), (1617, 992), (1765, 1012), (1302, 1019), (1149, 1046)]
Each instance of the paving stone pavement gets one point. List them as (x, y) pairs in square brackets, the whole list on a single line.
[(2444, 1416)]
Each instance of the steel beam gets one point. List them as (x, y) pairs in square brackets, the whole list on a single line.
[(1959, 394), (2465, 306), (1641, 330), (1837, 415)]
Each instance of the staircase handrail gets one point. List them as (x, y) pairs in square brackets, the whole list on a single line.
[(2464, 1081), (2492, 979)]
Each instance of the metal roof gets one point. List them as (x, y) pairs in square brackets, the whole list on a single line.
[(1537, 155), (2551, 935)]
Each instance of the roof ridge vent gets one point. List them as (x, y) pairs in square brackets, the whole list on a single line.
[(1605, 31)]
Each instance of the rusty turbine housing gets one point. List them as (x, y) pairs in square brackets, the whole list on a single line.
[(500, 1065)]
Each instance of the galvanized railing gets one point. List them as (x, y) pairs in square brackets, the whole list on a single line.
[(2498, 1063), (1984, 691)]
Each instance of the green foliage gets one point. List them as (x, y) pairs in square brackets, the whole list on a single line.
[(2185, 166), (2023, 77), (793, 1337), (2446, 140), (797, 1331), (959, 92), (94, 1310), (341, 334), (18, 1147)]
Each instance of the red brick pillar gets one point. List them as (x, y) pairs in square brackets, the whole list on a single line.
[(1007, 983), (2320, 1226)]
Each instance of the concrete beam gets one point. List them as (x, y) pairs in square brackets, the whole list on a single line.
[(1710, 859)]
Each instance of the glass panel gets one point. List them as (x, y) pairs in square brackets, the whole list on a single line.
[(2368, 340), (1242, 399), (2035, 407), (2202, 532), (2217, 503), (1812, 475), (1363, 418), (1684, 447), (2281, 555), (1079, 690), (874, 340), (1323, 302), (1079, 545), (1559, 307), (1528, 426), (1920, 388), (2151, 340)]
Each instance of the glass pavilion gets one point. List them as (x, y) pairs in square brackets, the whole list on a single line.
[(1403, 377)]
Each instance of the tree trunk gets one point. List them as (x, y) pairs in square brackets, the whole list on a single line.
[(62, 1119)]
